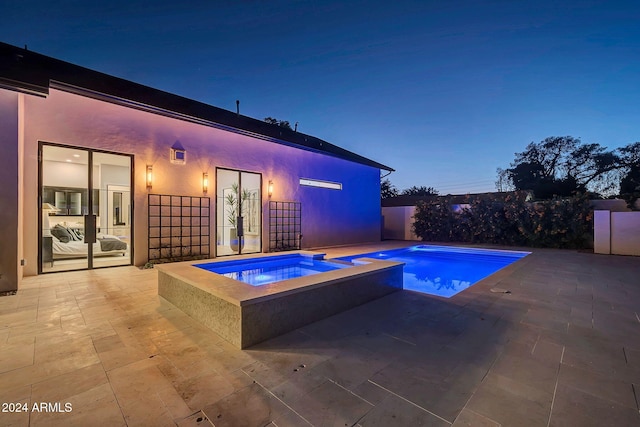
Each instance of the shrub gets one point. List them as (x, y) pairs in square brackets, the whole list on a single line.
[(556, 223), (437, 221)]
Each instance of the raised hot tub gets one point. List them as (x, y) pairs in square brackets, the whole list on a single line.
[(246, 314)]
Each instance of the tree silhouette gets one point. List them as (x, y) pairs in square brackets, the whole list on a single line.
[(419, 191), (561, 165), (282, 123), (630, 176), (387, 189)]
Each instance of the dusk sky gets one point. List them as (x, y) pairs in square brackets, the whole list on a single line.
[(444, 92)]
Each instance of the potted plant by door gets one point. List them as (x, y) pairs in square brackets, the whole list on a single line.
[(234, 201)]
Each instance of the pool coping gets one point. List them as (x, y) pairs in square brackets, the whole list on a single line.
[(482, 285), (245, 315), (241, 294)]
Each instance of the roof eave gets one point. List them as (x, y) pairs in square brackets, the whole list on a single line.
[(33, 73)]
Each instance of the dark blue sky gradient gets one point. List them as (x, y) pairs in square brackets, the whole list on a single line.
[(443, 91)]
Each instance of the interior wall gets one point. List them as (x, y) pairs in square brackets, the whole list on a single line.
[(110, 175), (113, 175), (10, 253), (62, 174)]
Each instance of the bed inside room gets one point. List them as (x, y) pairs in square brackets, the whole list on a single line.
[(68, 242)]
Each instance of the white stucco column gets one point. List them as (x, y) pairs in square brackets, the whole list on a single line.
[(602, 232)]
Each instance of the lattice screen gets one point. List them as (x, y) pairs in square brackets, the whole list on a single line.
[(285, 230), (178, 228)]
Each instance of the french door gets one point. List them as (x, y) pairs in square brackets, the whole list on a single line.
[(86, 208), (238, 212)]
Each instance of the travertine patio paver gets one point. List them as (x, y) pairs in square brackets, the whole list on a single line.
[(562, 348)]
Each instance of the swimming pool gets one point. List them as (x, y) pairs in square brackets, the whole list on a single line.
[(261, 271), (444, 270)]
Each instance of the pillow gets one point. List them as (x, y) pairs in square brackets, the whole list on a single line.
[(61, 233), (75, 235)]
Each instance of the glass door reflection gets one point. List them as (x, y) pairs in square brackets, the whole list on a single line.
[(86, 209), (112, 180), (238, 212), (64, 194)]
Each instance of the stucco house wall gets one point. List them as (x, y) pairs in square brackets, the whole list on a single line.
[(10, 248), (329, 217), (47, 102)]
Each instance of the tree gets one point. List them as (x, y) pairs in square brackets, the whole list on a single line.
[(527, 175), (591, 165), (630, 155), (630, 173), (504, 183), (630, 182), (561, 166), (387, 189), (282, 123), (419, 191)]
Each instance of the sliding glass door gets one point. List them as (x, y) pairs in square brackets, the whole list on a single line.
[(238, 212), (85, 209)]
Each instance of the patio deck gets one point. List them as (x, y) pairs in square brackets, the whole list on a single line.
[(563, 348)]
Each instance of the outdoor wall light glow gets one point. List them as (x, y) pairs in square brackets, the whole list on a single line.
[(205, 182), (270, 189), (149, 176)]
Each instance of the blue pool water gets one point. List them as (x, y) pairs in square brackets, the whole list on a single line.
[(261, 271), (444, 270)]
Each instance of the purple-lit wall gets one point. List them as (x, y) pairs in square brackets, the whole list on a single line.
[(329, 217), (10, 246)]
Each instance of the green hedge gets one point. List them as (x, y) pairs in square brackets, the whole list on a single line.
[(510, 220)]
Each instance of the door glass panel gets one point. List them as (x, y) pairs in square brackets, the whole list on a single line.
[(227, 186), (251, 211), (112, 205), (238, 211), (65, 182), (85, 223)]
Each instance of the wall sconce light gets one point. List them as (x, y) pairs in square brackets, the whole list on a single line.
[(270, 189), (205, 182), (149, 176)]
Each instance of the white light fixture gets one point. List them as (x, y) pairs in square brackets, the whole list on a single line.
[(270, 189), (205, 182), (320, 184), (149, 176)]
